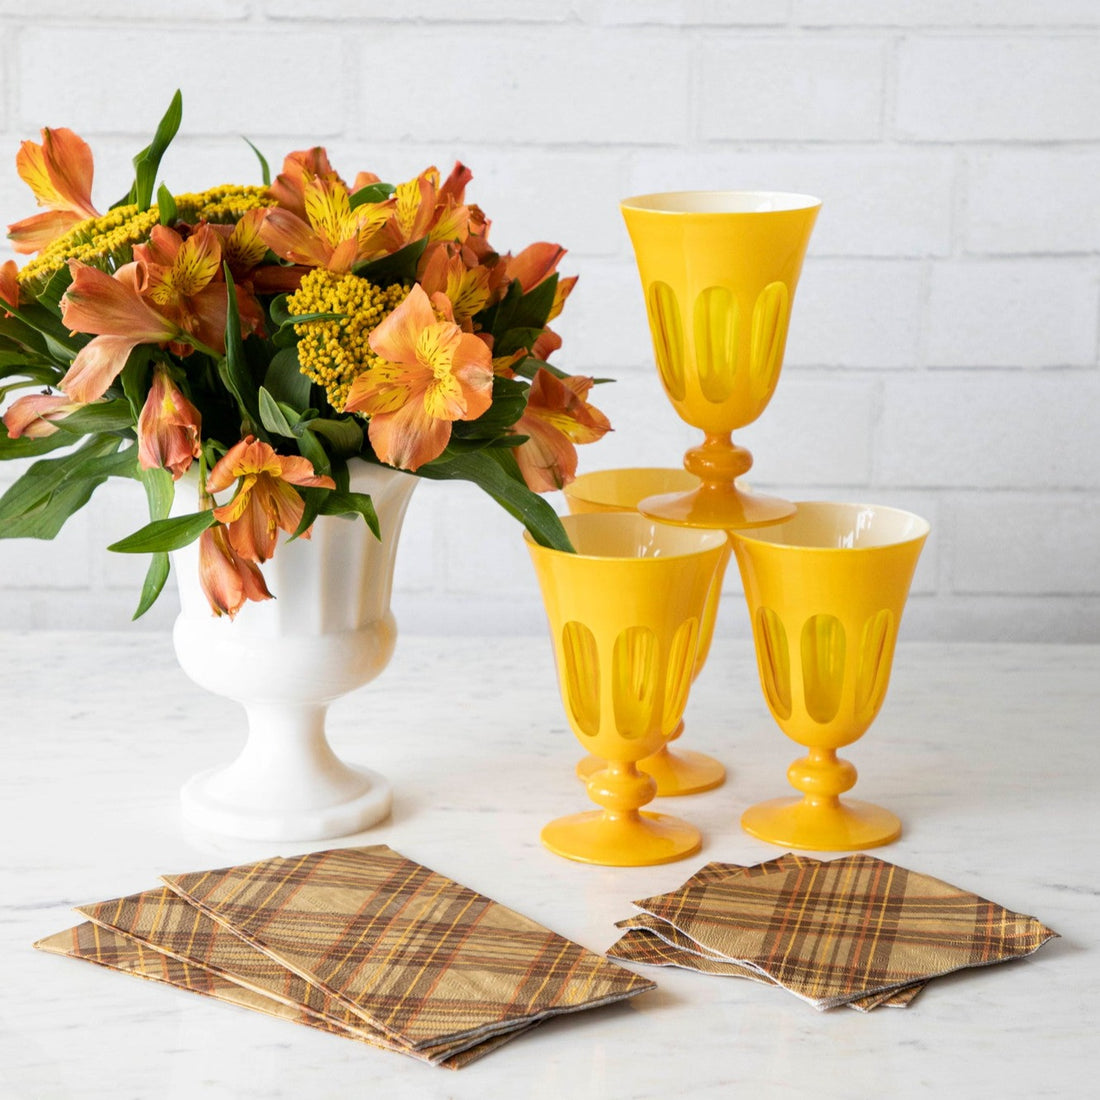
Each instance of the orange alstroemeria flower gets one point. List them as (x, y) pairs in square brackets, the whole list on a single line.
[(168, 428), (433, 374), (265, 500), (442, 271), (227, 579), (59, 172), (557, 417), (182, 279), (534, 265), (333, 235), (110, 307), (289, 188), (32, 416), (423, 207)]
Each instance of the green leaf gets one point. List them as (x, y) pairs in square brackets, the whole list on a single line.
[(373, 192), (285, 381), (265, 168), (509, 402), (311, 448), (398, 267), (147, 162), (51, 294), (162, 535), (345, 435), (530, 366), (159, 491), (487, 469), (533, 308), (30, 448), (516, 338), (273, 417), (234, 367), (134, 379), (59, 343), (103, 416), (46, 518), (98, 458), (166, 205), (353, 504)]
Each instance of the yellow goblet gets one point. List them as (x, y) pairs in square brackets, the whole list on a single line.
[(719, 271), (825, 591), (624, 614), (681, 771)]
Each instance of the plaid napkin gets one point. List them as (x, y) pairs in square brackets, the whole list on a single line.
[(360, 941), (856, 930)]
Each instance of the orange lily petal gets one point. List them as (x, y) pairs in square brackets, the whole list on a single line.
[(298, 169), (245, 248), (535, 263), (108, 306), (227, 579), (454, 186), (96, 366), (59, 171), (168, 428), (34, 233), (408, 437), (395, 338), (31, 416), (9, 285), (289, 236)]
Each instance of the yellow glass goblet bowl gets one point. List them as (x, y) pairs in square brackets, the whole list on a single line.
[(825, 592), (719, 271), (679, 771), (624, 615)]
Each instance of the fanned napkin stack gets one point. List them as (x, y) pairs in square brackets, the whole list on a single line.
[(361, 942), (854, 931)]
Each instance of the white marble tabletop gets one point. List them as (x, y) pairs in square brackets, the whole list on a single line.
[(989, 753)]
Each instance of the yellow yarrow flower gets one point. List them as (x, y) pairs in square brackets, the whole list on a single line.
[(334, 353), (107, 242)]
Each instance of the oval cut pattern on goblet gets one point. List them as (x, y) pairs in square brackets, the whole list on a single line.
[(634, 681), (716, 323), (823, 645), (774, 661), (680, 672), (582, 677), (668, 337), (769, 333), (874, 665)]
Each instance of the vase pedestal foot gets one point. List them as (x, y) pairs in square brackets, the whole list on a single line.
[(827, 825), (677, 771), (209, 803), (621, 840)]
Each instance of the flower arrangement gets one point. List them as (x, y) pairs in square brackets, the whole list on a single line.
[(265, 337)]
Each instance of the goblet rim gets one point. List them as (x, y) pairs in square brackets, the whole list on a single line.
[(585, 487), (668, 202), (761, 535), (707, 540)]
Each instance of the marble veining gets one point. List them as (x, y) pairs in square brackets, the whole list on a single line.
[(989, 753)]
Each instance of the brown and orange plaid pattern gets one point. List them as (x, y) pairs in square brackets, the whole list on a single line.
[(361, 942), (852, 931)]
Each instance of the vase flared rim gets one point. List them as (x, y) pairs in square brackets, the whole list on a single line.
[(725, 203), (910, 528)]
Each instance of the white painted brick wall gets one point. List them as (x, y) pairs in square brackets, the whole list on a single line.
[(943, 352)]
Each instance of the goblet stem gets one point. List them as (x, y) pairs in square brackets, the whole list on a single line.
[(822, 777), (718, 461), (621, 790)]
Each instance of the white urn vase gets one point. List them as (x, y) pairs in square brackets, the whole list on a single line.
[(328, 630)]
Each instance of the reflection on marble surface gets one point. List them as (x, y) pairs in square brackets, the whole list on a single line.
[(988, 753)]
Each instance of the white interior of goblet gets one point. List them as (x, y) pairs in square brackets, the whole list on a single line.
[(828, 526), (721, 202), (628, 535)]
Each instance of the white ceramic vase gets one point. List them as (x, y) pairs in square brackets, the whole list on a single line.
[(328, 630)]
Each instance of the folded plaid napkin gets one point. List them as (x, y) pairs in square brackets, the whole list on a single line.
[(855, 930), (360, 941)]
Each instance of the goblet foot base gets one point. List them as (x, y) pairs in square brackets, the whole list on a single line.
[(719, 507), (838, 826), (677, 772), (627, 840), (209, 810)]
